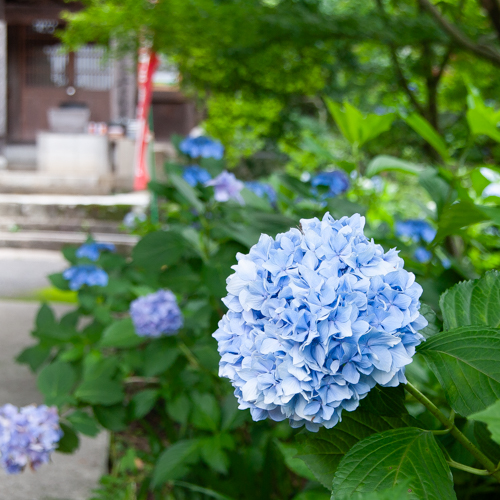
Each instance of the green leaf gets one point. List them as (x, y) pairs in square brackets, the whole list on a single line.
[(58, 281), (296, 465), (385, 401), (486, 444), (179, 408), (475, 302), (158, 249), (34, 356), (120, 334), (355, 127), (69, 441), (213, 455), (206, 412), (491, 417), (143, 402), (433, 327), (187, 192), (425, 130), (84, 423), (466, 362), (438, 188), (45, 319), (159, 356), (100, 391), (55, 382), (323, 451), (384, 163), (199, 489), (482, 119), (174, 461), (390, 458), (111, 417)]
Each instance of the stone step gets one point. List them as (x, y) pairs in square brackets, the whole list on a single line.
[(25, 223), (55, 240)]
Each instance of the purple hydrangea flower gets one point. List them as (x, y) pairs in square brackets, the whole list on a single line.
[(193, 175), (317, 317), (415, 229), (227, 187), (85, 274), (336, 181), (204, 147), (92, 250), (262, 190), (156, 314), (27, 436)]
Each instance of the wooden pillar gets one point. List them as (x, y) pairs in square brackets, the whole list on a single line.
[(3, 76), (123, 92)]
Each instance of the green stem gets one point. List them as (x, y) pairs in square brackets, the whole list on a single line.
[(466, 468), (454, 431)]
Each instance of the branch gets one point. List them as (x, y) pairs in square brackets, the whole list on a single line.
[(403, 82), (492, 7), (460, 38)]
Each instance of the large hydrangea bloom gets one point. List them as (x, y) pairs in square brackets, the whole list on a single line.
[(202, 147), (27, 436), (156, 314), (316, 318), (85, 274)]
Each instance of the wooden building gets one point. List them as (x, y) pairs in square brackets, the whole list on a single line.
[(35, 75)]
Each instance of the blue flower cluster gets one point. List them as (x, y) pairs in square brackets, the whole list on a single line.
[(418, 231), (193, 175), (85, 274), (156, 314), (93, 250), (227, 187), (131, 219), (317, 317), (336, 181), (27, 436), (262, 190), (204, 147)]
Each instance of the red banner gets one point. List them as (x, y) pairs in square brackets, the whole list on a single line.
[(148, 62)]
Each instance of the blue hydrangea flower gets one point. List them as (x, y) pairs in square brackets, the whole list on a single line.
[(422, 255), (261, 189), (317, 317), (85, 275), (204, 147), (156, 314), (415, 229), (133, 218), (92, 250), (336, 181), (193, 175), (27, 436), (227, 187)]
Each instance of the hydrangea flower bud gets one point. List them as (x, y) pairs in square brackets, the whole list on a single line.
[(317, 317), (85, 275), (202, 147), (27, 436), (156, 314), (93, 250), (227, 187)]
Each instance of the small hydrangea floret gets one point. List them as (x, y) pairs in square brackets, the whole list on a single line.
[(194, 175), (262, 190), (227, 187), (93, 250), (336, 181), (156, 314), (27, 436), (317, 317), (85, 274)]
